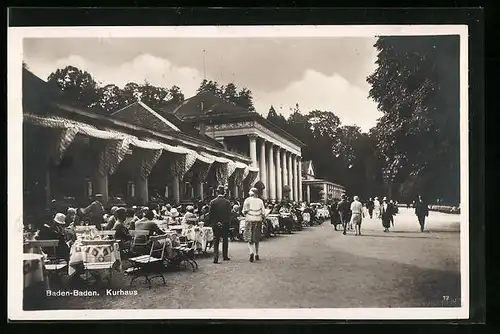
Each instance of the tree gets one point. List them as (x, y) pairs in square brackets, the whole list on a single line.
[(154, 97), (209, 86), (131, 93), (416, 86), (245, 99), (77, 83), (176, 95), (230, 93), (111, 98), (278, 120), (323, 123)]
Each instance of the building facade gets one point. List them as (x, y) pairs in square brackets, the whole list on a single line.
[(318, 190), (275, 155)]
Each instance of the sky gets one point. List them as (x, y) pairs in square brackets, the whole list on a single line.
[(327, 73)]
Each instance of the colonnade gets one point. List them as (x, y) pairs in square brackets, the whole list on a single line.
[(278, 167)]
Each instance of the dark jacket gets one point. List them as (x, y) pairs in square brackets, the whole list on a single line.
[(220, 215), (386, 214), (421, 208), (344, 208)]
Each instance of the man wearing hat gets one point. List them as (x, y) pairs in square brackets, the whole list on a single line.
[(344, 209), (95, 210), (54, 229), (219, 219)]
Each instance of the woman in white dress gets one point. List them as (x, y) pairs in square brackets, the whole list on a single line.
[(254, 211)]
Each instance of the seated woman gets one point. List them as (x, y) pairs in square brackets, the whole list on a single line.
[(190, 219), (121, 231), (130, 219)]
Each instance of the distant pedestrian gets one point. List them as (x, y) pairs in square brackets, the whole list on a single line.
[(386, 214), (356, 215), (255, 213), (376, 207), (344, 212), (370, 206), (422, 211)]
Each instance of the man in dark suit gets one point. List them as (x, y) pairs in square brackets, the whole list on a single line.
[(344, 209), (219, 220), (422, 211)]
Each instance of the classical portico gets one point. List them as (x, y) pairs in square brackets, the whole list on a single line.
[(276, 154)]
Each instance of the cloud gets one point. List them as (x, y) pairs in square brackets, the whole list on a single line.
[(328, 93), (314, 90)]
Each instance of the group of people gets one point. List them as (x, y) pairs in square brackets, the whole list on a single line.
[(350, 214)]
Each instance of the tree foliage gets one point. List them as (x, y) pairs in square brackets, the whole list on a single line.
[(416, 87), (109, 98), (229, 93)]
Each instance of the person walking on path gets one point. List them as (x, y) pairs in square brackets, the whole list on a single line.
[(219, 220), (386, 214), (344, 210), (356, 214), (370, 206), (422, 211), (376, 207), (254, 211)]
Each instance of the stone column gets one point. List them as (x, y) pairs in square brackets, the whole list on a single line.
[(325, 189), (253, 149), (284, 173), (290, 175), (141, 188), (279, 185), (100, 186), (272, 172), (299, 177), (198, 189), (295, 182), (176, 191), (262, 168), (308, 193)]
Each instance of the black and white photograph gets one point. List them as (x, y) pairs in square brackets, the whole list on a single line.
[(238, 172)]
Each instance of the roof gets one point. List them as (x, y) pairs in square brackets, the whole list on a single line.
[(216, 110), (139, 113), (322, 181), (44, 99)]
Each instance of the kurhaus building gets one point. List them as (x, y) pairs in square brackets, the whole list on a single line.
[(138, 154)]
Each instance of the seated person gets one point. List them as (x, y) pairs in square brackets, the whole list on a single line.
[(190, 219), (285, 218), (130, 219), (54, 230), (121, 231), (110, 222), (204, 214), (148, 224)]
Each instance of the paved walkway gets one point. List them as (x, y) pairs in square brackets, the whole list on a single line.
[(315, 268)]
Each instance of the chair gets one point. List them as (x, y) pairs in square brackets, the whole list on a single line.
[(151, 265), (106, 234), (140, 242), (186, 252), (93, 266), (54, 265)]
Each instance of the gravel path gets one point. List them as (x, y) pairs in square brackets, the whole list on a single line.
[(314, 268)]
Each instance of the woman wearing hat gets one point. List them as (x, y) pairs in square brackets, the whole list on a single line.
[(386, 214), (174, 217), (356, 214), (254, 211)]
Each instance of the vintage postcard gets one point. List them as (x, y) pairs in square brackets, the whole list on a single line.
[(238, 172)]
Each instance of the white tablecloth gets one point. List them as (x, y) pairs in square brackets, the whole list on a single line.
[(33, 269), (322, 213), (81, 254)]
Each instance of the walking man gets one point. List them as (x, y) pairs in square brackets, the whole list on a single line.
[(219, 220), (422, 211), (370, 206), (376, 206), (344, 210)]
